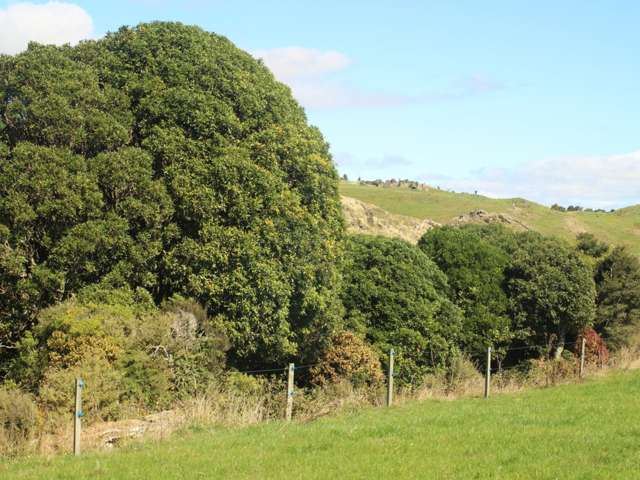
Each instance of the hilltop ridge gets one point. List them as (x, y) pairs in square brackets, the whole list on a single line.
[(621, 227)]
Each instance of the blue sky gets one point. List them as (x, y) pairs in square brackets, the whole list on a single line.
[(510, 98)]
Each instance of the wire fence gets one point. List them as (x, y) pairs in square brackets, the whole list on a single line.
[(277, 370), (289, 371)]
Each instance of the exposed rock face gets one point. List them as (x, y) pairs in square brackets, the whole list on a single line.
[(365, 218), (481, 216), (369, 219)]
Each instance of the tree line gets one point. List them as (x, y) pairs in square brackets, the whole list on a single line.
[(167, 216)]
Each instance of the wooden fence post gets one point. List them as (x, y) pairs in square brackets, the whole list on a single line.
[(392, 354), (77, 417), (487, 378), (290, 392), (582, 348)]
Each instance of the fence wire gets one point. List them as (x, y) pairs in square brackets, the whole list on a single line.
[(495, 350)]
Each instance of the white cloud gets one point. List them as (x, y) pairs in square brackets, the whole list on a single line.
[(322, 94), (307, 71), (290, 63), (371, 167), (49, 23), (590, 181)]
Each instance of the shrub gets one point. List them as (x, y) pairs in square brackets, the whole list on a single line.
[(549, 372), (459, 378), (130, 356), (69, 333), (588, 244), (18, 420), (595, 350), (349, 358), (101, 397)]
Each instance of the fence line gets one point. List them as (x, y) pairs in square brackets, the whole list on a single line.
[(487, 383), (290, 392), (530, 347)]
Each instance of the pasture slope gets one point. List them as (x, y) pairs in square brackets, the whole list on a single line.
[(621, 227), (585, 431)]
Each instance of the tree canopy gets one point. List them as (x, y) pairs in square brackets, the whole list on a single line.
[(618, 286), (551, 290), (163, 157), (396, 296), (475, 271)]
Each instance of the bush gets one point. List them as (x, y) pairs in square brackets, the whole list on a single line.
[(349, 358), (132, 357), (101, 397), (588, 244), (68, 334), (18, 420), (459, 378), (549, 372), (596, 352)]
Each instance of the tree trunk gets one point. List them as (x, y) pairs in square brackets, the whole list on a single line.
[(560, 345)]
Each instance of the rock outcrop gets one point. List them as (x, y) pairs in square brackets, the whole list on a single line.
[(481, 216)]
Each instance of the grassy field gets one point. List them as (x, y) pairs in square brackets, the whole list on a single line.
[(586, 431), (619, 228)]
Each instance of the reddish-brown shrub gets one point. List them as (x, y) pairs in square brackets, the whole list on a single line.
[(595, 349), (349, 358)]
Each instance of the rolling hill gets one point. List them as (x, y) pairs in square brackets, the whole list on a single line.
[(621, 227), (587, 430)]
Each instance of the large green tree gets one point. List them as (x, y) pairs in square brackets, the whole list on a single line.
[(475, 271), (396, 296), (551, 290), (618, 285), (163, 157)]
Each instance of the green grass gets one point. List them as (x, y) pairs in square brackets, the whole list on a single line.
[(586, 431), (619, 228)]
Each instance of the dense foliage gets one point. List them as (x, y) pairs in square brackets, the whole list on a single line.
[(516, 289), (551, 290), (618, 285), (132, 354), (588, 244), (162, 157), (475, 269), (396, 296)]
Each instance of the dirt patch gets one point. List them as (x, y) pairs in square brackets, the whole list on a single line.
[(106, 435), (365, 218), (574, 225), (635, 364)]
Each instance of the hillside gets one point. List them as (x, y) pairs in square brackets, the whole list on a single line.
[(621, 227), (574, 431), (365, 218)]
